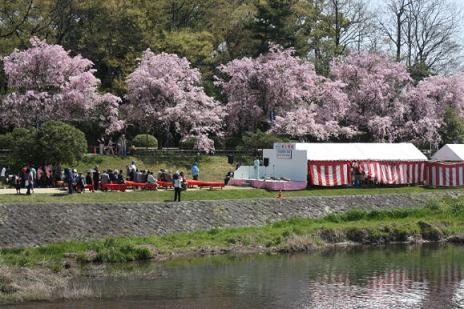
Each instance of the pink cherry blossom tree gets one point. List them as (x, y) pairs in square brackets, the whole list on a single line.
[(428, 102), (165, 95), (374, 85), (387, 106), (282, 86), (47, 83)]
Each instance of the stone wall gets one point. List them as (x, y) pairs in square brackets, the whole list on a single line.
[(35, 224)]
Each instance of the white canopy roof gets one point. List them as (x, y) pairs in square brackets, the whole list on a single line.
[(361, 151), (450, 152)]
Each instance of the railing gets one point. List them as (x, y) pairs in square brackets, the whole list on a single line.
[(187, 152)]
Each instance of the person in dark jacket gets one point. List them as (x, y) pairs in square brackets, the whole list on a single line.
[(96, 178), (68, 174)]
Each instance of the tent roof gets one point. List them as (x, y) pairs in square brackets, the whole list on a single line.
[(450, 152), (361, 151)]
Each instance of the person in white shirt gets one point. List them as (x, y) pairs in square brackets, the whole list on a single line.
[(132, 171), (178, 181), (150, 178)]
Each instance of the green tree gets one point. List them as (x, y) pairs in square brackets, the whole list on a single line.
[(259, 140), (59, 143), (24, 147), (453, 130), (272, 24)]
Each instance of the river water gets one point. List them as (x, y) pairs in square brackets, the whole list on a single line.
[(428, 276)]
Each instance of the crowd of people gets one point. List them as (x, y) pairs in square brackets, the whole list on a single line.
[(97, 179)]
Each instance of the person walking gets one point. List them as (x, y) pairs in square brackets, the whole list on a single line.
[(177, 182), (195, 170)]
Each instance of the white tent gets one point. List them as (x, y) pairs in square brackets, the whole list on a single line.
[(291, 160), (450, 152), (361, 151)]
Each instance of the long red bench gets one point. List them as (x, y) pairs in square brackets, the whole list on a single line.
[(134, 184), (164, 184), (115, 186), (210, 184)]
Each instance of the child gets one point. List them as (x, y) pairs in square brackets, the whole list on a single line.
[(18, 184)]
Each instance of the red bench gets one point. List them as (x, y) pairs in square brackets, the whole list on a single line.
[(165, 184), (210, 184), (133, 184), (115, 186)]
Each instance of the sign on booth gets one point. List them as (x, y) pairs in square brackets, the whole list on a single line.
[(284, 150)]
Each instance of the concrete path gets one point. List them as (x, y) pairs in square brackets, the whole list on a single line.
[(60, 191)]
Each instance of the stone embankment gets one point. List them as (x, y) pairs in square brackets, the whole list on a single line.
[(34, 224)]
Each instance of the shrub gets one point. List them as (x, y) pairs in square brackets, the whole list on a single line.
[(60, 143), (188, 144), (354, 215), (53, 143), (145, 140)]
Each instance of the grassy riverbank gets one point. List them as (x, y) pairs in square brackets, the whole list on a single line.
[(204, 194), (436, 221), (439, 220)]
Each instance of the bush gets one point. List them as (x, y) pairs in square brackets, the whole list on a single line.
[(54, 143), (60, 143), (188, 144), (145, 140)]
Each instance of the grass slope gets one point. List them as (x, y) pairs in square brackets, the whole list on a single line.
[(212, 168)]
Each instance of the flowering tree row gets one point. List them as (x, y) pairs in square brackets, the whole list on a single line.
[(366, 95)]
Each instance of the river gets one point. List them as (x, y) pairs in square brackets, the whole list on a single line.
[(427, 276)]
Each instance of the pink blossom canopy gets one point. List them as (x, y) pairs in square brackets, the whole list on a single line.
[(281, 84), (165, 92), (47, 83)]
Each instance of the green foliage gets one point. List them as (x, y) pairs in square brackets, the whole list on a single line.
[(114, 251), (145, 140), (6, 141), (24, 147), (60, 143), (54, 143), (188, 144), (453, 131), (272, 24), (259, 140)]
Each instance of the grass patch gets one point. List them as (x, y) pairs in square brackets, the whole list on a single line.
[(212, 168), (437, 220), (204, 194)]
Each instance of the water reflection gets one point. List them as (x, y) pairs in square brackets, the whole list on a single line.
[(390, 277)]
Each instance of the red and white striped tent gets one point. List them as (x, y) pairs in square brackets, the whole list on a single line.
[(447, 169), (329, 164), (445, 174)]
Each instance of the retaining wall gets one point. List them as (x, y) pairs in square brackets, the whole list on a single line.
[(35, 224)]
